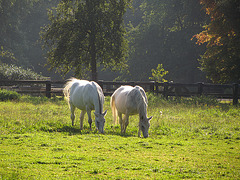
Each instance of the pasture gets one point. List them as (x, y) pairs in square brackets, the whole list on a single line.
[(188, 139)]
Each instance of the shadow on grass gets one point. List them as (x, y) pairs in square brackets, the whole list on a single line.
[(74, 130), (64, 129), (116, 130), (70, 130)]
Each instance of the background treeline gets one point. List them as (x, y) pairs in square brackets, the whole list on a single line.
[(159, 32), (20, 23)]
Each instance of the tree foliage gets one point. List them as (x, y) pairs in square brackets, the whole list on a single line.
[(221, 61), (85, 34), (9, 22), (20, 23), (17, 39), (158, 32), (12, 42)]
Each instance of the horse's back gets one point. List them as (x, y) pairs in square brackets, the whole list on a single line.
[(81, 87), (121, 94), (82, 93), (127, 98)]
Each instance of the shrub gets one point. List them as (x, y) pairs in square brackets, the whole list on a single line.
[(13, 72), (158, 74), (8, 95)]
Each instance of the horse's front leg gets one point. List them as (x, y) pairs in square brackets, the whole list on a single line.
[(139, 129), (72, 108), (81, 119), (89, 118)]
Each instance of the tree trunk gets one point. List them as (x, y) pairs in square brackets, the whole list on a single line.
[(94, 67), (93, 61), (92, 39)]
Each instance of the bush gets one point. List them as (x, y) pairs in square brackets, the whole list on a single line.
[(158, 74), (8, 95), (13, 72)]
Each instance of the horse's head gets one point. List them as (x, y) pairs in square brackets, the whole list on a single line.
[(100, 121), (144, 125)]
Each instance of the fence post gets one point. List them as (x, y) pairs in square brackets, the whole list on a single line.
[(200, 88), (235, 94), (152, 86), (48, 89), (156, 87), (165, 90)]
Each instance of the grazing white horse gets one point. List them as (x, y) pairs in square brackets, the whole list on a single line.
[(86, 96), (129, 101)]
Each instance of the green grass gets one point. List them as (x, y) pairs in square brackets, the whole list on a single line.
[(188, 139)]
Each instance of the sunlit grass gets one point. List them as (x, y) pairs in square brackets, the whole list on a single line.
[(187, 140)]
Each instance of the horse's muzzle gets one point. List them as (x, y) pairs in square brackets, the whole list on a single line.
[(146, 136)]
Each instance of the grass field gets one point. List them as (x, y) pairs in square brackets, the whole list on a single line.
[(188, 139)]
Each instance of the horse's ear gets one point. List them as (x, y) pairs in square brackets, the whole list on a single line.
[(150, 118), (105, 113)]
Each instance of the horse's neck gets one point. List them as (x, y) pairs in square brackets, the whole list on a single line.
[(98, 104), (142, 110), (142, 105), (97, 100)]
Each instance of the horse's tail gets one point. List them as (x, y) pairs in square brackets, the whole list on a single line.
[(67, 87), (114, 109)]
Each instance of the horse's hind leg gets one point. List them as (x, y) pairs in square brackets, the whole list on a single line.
[(89, 118), (126, 122), (81, 119), (72, 108), (121, 121)]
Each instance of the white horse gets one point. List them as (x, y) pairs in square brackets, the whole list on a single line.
[(130, 100), (86, 96)]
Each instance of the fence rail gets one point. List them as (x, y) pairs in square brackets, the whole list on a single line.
[(227, 91)]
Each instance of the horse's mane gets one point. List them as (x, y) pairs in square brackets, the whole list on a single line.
[(100, 97)]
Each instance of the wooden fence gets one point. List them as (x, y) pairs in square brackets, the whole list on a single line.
[(48, 88)]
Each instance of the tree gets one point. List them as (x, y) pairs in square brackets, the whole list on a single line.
[(84, 34), (11, 15), (221, 61), (20, 25)]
